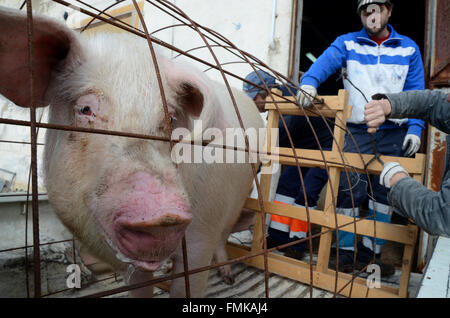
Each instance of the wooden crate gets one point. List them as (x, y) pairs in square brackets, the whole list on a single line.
[(334, 161)]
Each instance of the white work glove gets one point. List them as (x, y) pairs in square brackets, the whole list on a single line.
[(390, 168), (411, 145), (305, 98)]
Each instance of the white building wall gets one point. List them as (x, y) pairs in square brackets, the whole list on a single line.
[(247, 24), (14, 157)]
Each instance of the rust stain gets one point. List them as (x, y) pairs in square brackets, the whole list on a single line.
[(442, 36), (437, 165)]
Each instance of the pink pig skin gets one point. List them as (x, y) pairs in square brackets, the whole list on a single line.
[(122, 197), (152, 217)]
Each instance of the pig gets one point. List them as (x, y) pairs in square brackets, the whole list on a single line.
[(124, 198)]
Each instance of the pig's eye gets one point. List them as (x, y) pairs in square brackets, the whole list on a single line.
[(86, 110)]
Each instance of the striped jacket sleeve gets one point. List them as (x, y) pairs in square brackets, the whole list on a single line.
[(331, 60), (415, 81)]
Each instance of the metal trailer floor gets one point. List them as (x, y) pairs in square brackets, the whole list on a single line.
[(249, 283)]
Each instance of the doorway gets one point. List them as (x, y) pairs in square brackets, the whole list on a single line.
[(324, 21)]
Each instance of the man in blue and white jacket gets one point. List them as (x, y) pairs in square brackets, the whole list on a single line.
[(374, 60)]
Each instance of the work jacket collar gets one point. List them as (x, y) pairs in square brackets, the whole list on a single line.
[(394, 37)]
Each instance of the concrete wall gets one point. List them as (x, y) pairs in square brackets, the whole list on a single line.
[(13, 223)]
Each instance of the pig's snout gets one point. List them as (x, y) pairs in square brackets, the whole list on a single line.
[(141, 236), (165, 221), (150, 221), (153, 240)]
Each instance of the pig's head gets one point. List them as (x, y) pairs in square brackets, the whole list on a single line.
[(122, 197)]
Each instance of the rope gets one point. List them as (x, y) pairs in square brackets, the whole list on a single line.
[(377, 154)]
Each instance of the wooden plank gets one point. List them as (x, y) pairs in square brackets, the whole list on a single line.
[(287, 104), (258, 235), (314, 158), (391, 232), (408, 254), (118, 12), (325, 239), (300, 271), (333, 182)]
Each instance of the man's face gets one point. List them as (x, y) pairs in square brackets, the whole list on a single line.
[(260, 102), (374, 18)]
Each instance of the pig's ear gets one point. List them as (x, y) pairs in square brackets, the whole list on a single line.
[(53, 43), (191, 95), (188, 97)]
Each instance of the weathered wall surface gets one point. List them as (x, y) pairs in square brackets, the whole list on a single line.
[(247, 24)]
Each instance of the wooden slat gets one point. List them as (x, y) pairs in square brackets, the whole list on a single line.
[(332, 104), (300, 271), (258, 235), (313, 158), (387, 231), (333, 182), (408, 254), (330, 201)]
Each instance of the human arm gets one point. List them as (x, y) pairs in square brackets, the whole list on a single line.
[(415, 80), (430, 210), (331, 60), (431, 106)]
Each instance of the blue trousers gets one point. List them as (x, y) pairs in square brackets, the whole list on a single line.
[(388, 142)]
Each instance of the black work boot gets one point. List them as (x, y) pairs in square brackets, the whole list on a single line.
[(364, 257), (298, 252), (345, 260)]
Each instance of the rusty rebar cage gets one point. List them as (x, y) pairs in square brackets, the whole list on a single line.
[(213, 42)]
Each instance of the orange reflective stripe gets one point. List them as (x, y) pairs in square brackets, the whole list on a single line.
[(294, 224), (298, 226)]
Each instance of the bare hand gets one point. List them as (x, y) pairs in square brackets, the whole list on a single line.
[(375, 114)]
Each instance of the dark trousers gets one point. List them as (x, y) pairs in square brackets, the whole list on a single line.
[(303, 137)]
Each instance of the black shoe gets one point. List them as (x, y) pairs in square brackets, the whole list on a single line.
[(386, 270), (365, 256), (345, 261), (277, 238), (294, 252)]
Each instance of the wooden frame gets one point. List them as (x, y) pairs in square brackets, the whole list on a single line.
[(323, 277), (126, 13)]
